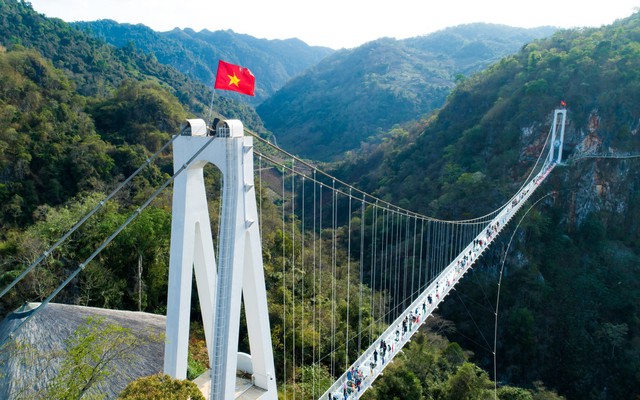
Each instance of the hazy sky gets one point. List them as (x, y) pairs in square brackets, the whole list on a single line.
[(338, 23)]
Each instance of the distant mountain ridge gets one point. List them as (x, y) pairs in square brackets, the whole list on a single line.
[(353, 94), (320, 103), (471, 47), (97, 68), (197, 53)]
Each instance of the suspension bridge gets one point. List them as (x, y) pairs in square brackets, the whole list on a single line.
[(380, 268)]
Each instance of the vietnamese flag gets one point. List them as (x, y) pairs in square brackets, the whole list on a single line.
[(235, 78)]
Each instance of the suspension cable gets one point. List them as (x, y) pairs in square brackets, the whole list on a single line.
[(428, 254), (420, 256), (413, 257), (284, 284), (320, 325), (374, 261), (334, 212), (504, 258), (304, 274), (315, 295), (400, 209), (361, 282), (104, 244), (293, 277), (260, 192), (85, 218), (346, 357)]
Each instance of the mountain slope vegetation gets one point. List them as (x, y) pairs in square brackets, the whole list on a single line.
[(353, 95), (196, 54), (96, 68), (64, 145), (569, 304), (62, 91)]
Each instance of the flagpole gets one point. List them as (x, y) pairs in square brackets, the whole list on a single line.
[(213, 93)]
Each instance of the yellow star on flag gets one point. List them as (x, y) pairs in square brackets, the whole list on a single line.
[(233, 80)]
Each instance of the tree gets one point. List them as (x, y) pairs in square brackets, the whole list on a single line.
[(311, 381), (541, 392), (514, 393), (98, 286), (139, 255), (468, 383), (89, 357), (139, 113), (160, 387), (398, 383)]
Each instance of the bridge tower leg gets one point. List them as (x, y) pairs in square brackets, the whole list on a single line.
[(239, 271), (557, 139)]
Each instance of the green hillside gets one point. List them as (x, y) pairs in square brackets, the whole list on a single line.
[(569, 307), (487, 122), (353, 95), (66, 141), (63, 91), (196, 54), (97, 68), (470, 48)]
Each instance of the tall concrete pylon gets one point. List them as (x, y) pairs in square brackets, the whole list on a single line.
[(557, 139), (239, 272)]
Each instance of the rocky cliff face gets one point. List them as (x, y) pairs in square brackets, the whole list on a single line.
[(570, 289), (596, 178)]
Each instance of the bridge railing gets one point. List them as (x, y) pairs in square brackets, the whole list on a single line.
[(361, 374)]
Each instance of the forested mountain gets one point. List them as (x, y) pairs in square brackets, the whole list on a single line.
[(77, 116), (97, 68), (63, 91), (470, 48), (196, 54), (354, 94), (570, 300)]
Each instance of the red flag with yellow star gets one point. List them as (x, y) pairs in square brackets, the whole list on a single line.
[(235, 78)]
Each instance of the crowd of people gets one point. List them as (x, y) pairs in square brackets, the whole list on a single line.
[(362, 374)]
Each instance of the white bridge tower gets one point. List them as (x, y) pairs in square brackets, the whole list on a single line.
[(239, 271), (557, 138)]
